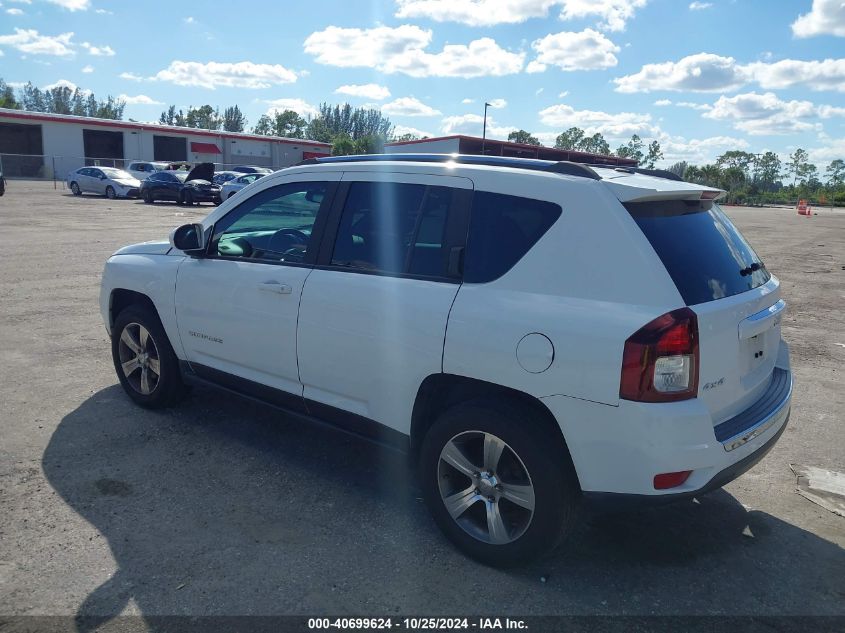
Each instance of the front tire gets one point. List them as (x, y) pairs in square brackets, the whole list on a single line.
[(144, 360), (188, 198), (495, 484), (110, 194), (74, 187), (148, 198)]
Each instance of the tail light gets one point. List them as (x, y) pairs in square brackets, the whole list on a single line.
[(660, 360)]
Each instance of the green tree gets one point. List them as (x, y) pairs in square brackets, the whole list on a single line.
[(168, 117), (679, 169), (233, 119), (264, 126), (767, 171), (736, 158), (32, 99), (654, 154), (595, 144), (407, 137), (7, 97), (835, 173), (797, 165), (338, 120), (343, 145), (203, 118), (570, 139), (521, 136), (632, 149)]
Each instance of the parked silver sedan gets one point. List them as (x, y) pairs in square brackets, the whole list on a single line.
[(106, 181), (236, 184)]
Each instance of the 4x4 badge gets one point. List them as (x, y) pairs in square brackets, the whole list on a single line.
[(714, 384)]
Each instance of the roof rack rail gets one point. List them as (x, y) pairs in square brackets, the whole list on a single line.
[(558, 167), (657, 173)]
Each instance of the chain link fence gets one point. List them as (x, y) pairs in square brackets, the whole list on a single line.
[(56, 168)]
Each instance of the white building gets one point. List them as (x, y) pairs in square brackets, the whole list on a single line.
[(39, 145)]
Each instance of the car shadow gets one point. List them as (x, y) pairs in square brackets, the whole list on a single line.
[(226, 507)]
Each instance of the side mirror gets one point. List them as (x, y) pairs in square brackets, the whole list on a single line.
[(102, 177), (190, 239)]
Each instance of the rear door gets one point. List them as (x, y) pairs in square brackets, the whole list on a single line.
[(373, 315), (725, 283)]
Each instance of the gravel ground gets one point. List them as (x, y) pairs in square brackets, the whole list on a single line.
[(222, 506)]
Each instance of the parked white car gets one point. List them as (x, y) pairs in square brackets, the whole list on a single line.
[(144, 169), (535, 334), (231, 187), (106, 181)]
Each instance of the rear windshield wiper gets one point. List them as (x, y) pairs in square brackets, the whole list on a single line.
[(752, 268)]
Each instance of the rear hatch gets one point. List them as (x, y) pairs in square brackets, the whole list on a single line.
[(721, 278)]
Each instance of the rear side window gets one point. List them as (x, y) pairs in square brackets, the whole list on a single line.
[(702, 250), (394, 228), (502, 229)]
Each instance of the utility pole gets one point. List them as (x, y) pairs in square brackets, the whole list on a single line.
[(484, 130)]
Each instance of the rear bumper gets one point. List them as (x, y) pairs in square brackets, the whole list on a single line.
[(617, 450), (615, 502)]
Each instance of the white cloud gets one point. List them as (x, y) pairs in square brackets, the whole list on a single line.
[(73, 5), (226, 74), (472, 124), (189, 20), (299, 106), (498, 104), (62, 83), (131, 76), (699, 6), (139, 100), (569, 50), (14, 11), (88, 69), (401, 130), (766, 114), (402, 50), (467, 101), (706, 72), (563, 94), (703, 72), (826, 17), (103, 12), (663, 102), (32, 42), (697, 151), (612, 13), (619, 125), (682, 104), (826, 74), (408, 106), (366, 91), (539, 91), (98, 51)]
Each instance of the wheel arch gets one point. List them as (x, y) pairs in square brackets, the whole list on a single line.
[(439, 392), (122, 298)]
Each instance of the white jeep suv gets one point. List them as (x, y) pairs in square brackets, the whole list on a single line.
[(535, 334)]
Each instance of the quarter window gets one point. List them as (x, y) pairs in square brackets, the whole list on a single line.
[(394, 228), (274, 225), (501, 230)]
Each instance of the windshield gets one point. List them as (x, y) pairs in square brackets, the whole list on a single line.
[(181, 175), (702, 250), (118, 174)]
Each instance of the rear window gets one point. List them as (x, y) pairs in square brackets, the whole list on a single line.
[(702, 250)]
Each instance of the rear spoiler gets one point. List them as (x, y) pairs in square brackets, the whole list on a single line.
[(641, 186)]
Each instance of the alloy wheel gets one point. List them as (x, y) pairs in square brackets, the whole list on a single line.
[(139, 358), (485, 487)]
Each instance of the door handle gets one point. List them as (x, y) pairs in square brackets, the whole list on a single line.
[(275, 287)]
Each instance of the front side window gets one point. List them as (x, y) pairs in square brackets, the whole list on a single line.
[(394, 228), (274, 225), (502, 229)]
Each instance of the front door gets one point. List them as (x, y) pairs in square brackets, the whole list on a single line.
[(237, 308)]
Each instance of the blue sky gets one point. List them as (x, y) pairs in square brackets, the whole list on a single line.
[(699, 77)]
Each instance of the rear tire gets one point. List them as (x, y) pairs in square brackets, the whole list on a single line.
[(501, 511), (144, 360), (74, 187)]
